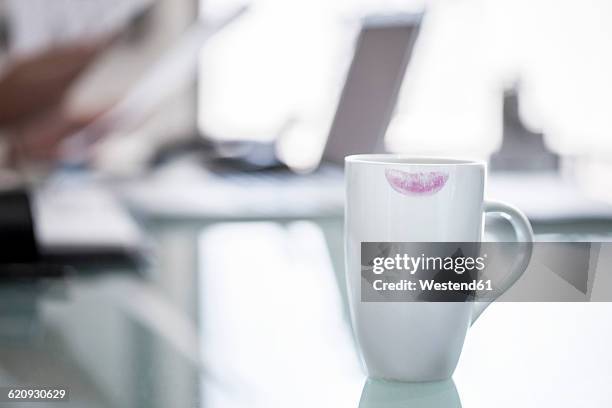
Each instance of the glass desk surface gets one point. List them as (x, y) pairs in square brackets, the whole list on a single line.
[(253, 314)]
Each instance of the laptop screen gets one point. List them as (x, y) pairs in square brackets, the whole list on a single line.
[(372, 84)]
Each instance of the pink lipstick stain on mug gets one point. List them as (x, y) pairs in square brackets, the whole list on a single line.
[(416, 183)]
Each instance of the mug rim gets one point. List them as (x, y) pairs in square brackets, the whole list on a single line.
[(408, 160)]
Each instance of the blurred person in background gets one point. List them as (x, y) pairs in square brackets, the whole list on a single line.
[(33, 123), (50, 46), (40, 66)]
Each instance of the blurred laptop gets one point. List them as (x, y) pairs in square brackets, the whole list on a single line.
[(382, 51), (85, 224), (369, 96)]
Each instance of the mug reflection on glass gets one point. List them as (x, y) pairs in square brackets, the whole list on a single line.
[(390, 394)]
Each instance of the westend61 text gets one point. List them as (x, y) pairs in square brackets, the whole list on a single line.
[(431, 285)]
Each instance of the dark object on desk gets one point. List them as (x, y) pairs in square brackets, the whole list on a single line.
[(24, 257), (521, 150), (525, 165), (17, 241), (240, 155), (98, 258), (30, 271), (84, 225), (20, 258), (246, 156), (169, 151)]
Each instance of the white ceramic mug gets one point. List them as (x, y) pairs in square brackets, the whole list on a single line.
[(395, 198)]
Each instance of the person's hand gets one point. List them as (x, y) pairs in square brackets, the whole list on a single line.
[(35, 84), (38, 140)]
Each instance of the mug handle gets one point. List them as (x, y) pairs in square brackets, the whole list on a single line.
[(524, 236)]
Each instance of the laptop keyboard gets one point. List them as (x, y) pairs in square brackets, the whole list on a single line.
[(325, 175)]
